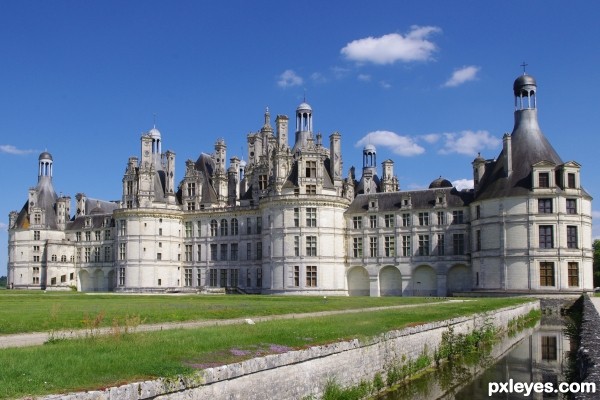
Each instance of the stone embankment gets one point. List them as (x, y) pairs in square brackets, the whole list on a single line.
[(588, 354), (303, 373)]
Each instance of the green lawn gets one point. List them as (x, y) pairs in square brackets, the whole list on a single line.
[(35, 311), (105, 361)]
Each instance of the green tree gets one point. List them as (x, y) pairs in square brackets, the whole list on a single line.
[(3, 281), (596, 262)]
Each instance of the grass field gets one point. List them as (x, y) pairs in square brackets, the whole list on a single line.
[(35, 311), (103, 361)]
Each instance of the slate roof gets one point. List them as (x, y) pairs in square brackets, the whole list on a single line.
[(46, 200)]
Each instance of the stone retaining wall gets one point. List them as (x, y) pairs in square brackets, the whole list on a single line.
[(588, 354), (302, 373)]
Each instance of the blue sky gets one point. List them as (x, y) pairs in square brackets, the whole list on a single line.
[(430, 82)]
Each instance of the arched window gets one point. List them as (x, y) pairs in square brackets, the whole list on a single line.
[(53, 257), (213, 227), (63, 258), (234, 227), (223, 227)]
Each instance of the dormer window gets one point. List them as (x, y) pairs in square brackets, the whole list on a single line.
[(571, 181), (544, 180)]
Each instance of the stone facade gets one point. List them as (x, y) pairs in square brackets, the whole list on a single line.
[(287, 221)]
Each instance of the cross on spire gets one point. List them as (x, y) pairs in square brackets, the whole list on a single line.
[(524, 65)]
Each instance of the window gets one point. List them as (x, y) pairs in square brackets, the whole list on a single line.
[(234, 251), (458, 241), (546, 237), (259, 253), (390, 246), (122, 251), (406, 246), (477, 212), (572, 242), (37, 219), (259, 277), (107, 234), (544, 180), (296, 275), (63, 278), (224, 227), (159, 256), (311, 189), (212, 277), (214, 227), (36, 258), (262, 182), (36, 280), (223, 277), (423, 245), (129, 190), (373, 246), (545, 206), (199, 254), (571, 180), (88, 236), (373, 221), (546, 274), (54, 258), (423, 218), (77, 236), (63, 258), (296, 217), (311, 216), (478, 240), (121, 276), (189, 229), (297, 246), (160, 232), (188, 277), (441, 245), (248, 226), (571, 206), (129, 204), (357, 247), (311, 246), (98, 235), (311, 276), (96, 254), (191, 206), (457, 217), (188, 252), (88, 253), (357, 222), (122, 227), (213, 251), (199, 227), (549, 347), (234, 227), (258, 224), (191, 189), (234, 274), (406, 219), (223, 251), (389, 220), (248, 251), (573, 269), (441, 218), (311, 169)]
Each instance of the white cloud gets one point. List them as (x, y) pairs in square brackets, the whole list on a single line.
[(393, 47), (10, 149), (401, 145), (461, 184), (318, 77), (364, 77), (460, 76), (595, 214), (469, 142), (385, 85), (288, 79), (3, 226), (431, 137)]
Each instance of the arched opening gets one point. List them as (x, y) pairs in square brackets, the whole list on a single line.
[(459, 279), (358, 282), (390, 281), (85, 282), (98, 279), (424, 281), (111, 281)]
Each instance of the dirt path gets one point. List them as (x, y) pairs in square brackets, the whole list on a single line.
[(38, 338)]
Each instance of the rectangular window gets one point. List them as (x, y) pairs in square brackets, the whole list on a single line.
[(546, 274), (406, 219), (458, 241), (88, 252), (213, 252), (212, 277), (572, 242), (199, 254), (189, 229), (477, 212), (88, 236), (544, 179), (159, 256), (188, 252), (98, 235), (121, 276), (77, 236), (311, 189), (234, 251), (357, 222), (389, 220), (311, 276), (571, 206), (188, 277), (311, 169), (546, 236), (248, 226), (107, 234), (423, 245), (441, 244), (234, 227), (122, 227), (571, 181), (296, 217), (129, 190), (223, 251), (458, 217), (373, 247), (96, 254), (259, 253), (478, 240), (262, 182), (545, 206), (234, 276), (390, 246), (297, 246), (191, 189), (259, 277), (357, 247), (423, 218), (311, 246), (248, 251), (573, 274), (258, 224), (122, 251), (296, 275), (441, 218), (373, 221), (311, 216), (406, 246)]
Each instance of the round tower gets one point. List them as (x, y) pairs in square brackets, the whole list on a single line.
[(45, 165)]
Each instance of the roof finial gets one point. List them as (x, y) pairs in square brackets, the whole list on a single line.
[(154, 120), (524, 65)]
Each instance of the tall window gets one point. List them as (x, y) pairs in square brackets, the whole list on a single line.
[(296, 217), (571, 206), (478, 240), (458, 241), (98, 235), (189, 229), (259, 277), (296, 275), (36, 235), (458, 217), (311, 246), (544, 179), (357, 222), (441, 245), (121, 276), (546, 274), (248, 226), (258, 224), (248, 251), (546, 236), (191, 189), (573, 274), (389, 220), (122, 251), (223, 251), (262, 182), (372, 221), (373, 247), (572, 242), (545, 206), (406, 246), (214, 227), (213, 277), (357, 247), (199, 255), (406, 219), (259, 251), (213, 252), (224, 227), (188, 252), (188, 277), (311, 216), (423, 245), (88, 236), (390, 246), (107, 234), (234, 227), (129, 188), (234, 251), (311, 276), (311, 169), (441, 218), (571, 180), (122, 227), (297, 246), (96, 254), (423, 218)]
